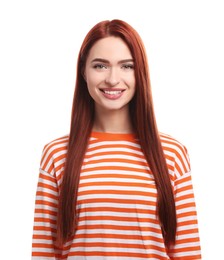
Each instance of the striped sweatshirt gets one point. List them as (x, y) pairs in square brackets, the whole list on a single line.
[(116, 202)]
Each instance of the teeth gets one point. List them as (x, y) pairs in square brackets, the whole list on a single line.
[(112, 92)]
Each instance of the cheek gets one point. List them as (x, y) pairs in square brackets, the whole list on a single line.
[(93, 79), (130, 81), (92, 83)]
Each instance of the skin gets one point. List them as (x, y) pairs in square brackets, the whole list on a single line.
[(110, 77)]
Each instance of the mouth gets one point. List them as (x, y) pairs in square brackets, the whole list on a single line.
[(112, 93)]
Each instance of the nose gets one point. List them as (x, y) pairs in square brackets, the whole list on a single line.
[(112, 77)]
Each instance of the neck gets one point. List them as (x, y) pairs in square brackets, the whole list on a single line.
[(113, 122)]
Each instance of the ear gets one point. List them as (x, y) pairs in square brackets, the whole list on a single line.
[(84, 74)]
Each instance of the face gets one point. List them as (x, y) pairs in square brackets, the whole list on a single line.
[(109, 74)]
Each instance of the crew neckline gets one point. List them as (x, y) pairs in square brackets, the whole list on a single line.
[(113, 136)]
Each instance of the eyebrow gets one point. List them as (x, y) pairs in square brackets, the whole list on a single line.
[(107, 61)]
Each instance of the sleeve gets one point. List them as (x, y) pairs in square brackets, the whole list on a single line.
[(187, 244), (46, 205)]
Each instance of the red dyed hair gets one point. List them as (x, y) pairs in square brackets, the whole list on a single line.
[(144, 124)]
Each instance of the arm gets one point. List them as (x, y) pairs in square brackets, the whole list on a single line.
[(44, 229), (187, 244)]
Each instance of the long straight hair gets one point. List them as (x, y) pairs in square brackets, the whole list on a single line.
[(144, 123)]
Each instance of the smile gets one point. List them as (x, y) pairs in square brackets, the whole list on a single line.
[(112, 94)]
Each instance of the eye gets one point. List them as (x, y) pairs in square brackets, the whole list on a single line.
[(127, 66), (99, 66)]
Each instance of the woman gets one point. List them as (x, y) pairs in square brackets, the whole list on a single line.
[(115, 188)]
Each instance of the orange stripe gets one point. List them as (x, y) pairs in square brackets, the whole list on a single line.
[(117, 227), (118, 254), (118, 168), (114, 218), (117, 146), (47, 212), (47, 186), (118, 176), (44, 228), (119, 236), (45, 220), (141, 156), (116, 201), (47, 195), (187, 249), (104, 209), (189, 231), (47, 203), (186, 205), (118, 192), (43, 237), (117, 160), (188, 222)]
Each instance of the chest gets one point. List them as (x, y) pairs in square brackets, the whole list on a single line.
[(117, 179)]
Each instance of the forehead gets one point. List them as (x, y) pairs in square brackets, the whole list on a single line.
[(110, 48)]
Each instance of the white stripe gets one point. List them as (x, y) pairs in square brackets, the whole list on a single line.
[(187, 236), (115, 149), (48, 182), (41, 206), (186, 209), (43, 249), (116, 249), (184, 184), (43, 241), (44, 215), (118, 240), (183, 219), (48, 258), (184, 193), (107, 258), (184, 245), (188, 253), (114, 205), (113, 143), (133, 198), (186, 227), (131, 166), (117, 223), (44, 224), (46, 190), (42, 232), (118, 172), (116, 156), (117, 188), (117, 214), (118, 180), (185, 201)]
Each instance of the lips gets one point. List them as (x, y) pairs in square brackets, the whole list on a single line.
[(112, 93)]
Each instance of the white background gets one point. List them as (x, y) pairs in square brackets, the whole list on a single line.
[(40, 41)]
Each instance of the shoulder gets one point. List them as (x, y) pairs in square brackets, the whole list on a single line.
[(172, 144), (177, 153), (53, 154)]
